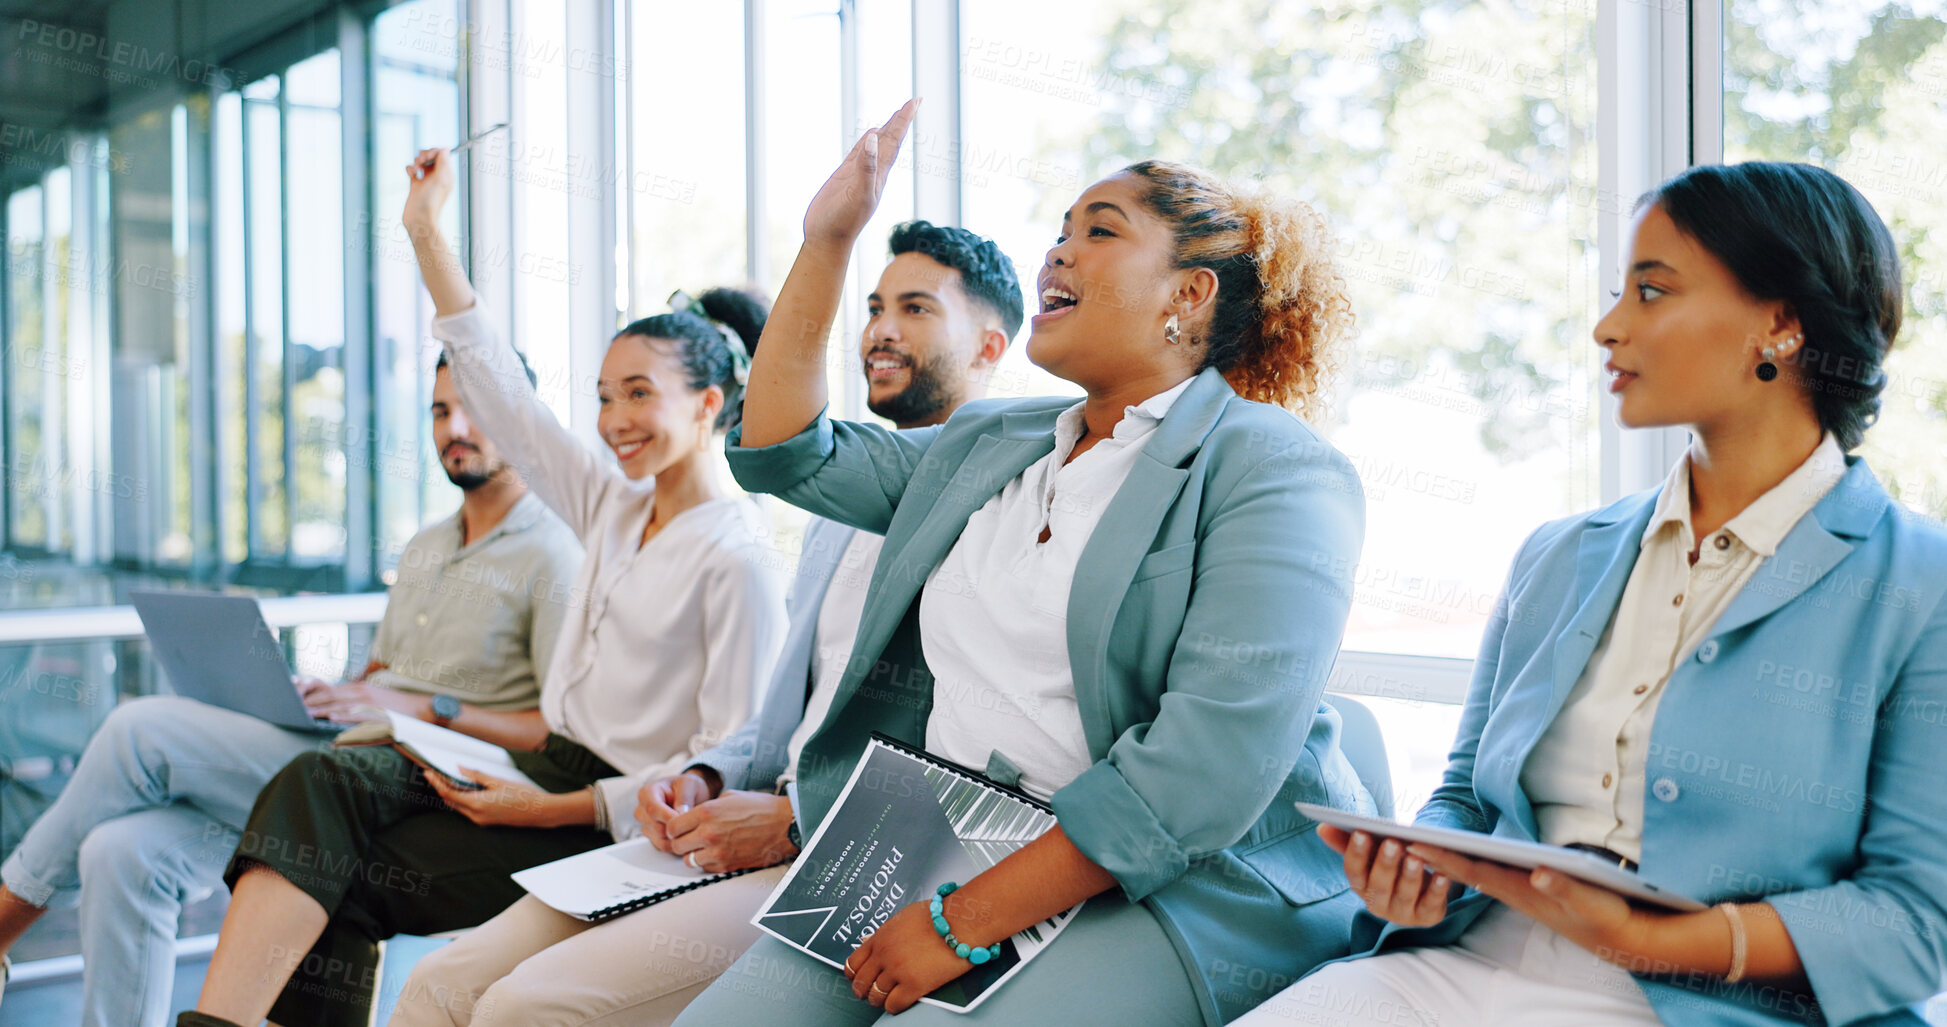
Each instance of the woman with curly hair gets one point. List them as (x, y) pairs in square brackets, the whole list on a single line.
[(1127, 605)]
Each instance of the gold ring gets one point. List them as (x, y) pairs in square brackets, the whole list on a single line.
[(881, 994)]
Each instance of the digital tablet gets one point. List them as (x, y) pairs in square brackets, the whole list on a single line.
[(1582, 866)]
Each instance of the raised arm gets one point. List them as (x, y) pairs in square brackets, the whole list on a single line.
[(439, 266), (787, 376), (567, 475)]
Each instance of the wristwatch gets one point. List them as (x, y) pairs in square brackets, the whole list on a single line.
[(445, 708), (791, 834)]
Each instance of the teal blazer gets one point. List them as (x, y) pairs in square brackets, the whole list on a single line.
[(1796, 754), (1204, 618)]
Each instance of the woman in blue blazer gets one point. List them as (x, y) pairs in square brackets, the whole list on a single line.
[(1736, 681), (1149, 623)]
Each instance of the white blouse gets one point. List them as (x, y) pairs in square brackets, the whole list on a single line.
[(663, 646), (1586, 777), (993, 618)]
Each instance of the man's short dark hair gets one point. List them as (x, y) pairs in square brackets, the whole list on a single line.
[(532, 379), (986, 274)]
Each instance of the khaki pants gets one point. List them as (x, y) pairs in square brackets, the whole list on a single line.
[(534, 966)]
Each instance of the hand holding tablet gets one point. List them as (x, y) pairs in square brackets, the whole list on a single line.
[(1509, 852)]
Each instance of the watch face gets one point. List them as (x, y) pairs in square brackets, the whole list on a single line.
[(445, 707)]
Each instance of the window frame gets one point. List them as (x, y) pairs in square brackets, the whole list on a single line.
[(1660, 97)]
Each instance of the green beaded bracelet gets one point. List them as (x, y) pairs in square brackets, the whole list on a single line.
[(973, 955)]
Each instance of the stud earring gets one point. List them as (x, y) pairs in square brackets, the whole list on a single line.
[(1172, 331), (1768, 367)]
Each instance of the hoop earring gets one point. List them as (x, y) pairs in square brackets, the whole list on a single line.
[(1172, 331)]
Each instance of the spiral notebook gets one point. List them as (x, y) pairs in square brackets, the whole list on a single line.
[(615, 879), (905, 822)]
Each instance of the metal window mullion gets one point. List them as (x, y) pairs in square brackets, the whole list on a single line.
[(286, 370), (590, 129), (1706, 81), (1644, 132), (936, 75), (6, 377), (206, 500), (357, 349), (757, 257), (488, 218), (625, 162), (53, 431), (253, 398), (252, 394), (101, 228), (850, 400)]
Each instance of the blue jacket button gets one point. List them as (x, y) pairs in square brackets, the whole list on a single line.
[(1665, 789), (1707, 652)]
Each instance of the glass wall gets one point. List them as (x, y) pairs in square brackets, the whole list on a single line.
[(1452, 147), (1857, 87), (684, 212), (254, 412), (415, 105), (177, 404)]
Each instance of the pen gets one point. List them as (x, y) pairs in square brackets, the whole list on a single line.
[(470, 140)]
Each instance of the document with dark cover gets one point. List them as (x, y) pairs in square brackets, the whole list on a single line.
[(906, 822)]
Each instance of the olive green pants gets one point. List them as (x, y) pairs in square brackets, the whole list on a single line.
[(360, 831)]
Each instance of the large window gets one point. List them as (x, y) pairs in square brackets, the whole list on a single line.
[(260, 418), (283, 273), (682, 196), (1451, 145), (1856, 86), (415, 105)]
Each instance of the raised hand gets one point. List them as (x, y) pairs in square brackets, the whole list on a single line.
[(847, 200), (432, 178)]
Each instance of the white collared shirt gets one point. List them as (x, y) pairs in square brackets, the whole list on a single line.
[(838, 631), (1586, 776), (993, 618)]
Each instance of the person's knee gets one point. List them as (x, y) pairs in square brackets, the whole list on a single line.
[(131, 722), (117, 856), (152, 730), (441, 980), (514, 999), (150, 712)]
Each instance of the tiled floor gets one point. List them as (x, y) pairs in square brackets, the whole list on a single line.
[(58, 1003)]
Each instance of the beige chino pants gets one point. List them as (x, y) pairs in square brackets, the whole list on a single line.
[(536, 967)]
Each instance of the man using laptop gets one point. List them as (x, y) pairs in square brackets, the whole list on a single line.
[(156, 803)]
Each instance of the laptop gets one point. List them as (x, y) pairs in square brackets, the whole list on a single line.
[(218, 650)]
